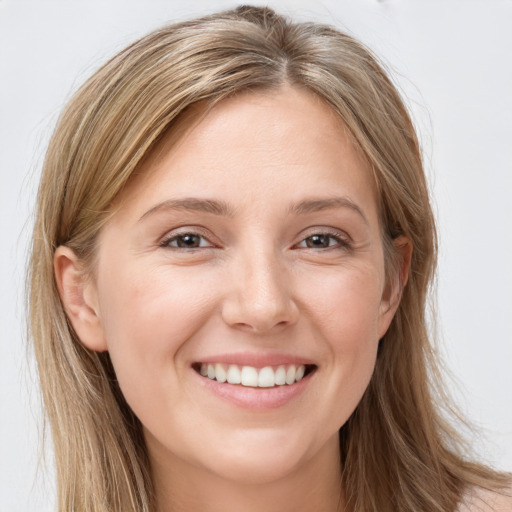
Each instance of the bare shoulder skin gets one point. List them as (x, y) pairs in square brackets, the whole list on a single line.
[(483, 500)]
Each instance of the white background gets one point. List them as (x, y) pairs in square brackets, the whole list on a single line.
[(452, 59)]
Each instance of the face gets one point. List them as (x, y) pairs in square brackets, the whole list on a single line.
[(247, 249)]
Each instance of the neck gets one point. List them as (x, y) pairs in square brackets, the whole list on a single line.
[(182, 487)]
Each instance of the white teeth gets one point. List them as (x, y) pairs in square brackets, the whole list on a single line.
[(266, 377), (280, 377), (220, 373), (290, 375), (249, 376), (234, 376)]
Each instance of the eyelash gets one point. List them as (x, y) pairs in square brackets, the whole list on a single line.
[(341, 242), (166, 242)]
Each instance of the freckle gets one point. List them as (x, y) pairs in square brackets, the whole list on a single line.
[(138, 291)]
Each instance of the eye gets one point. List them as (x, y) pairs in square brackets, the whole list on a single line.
[(323, 241), (186, 241)]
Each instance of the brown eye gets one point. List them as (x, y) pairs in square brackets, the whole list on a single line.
[(324, 240), (319, 241), (186, 241)]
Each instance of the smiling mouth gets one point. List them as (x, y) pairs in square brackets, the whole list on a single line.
[(250, 376)]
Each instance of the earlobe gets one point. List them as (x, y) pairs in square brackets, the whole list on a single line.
[(79, 298), (396, 282)]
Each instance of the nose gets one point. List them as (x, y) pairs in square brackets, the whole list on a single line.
[(259, 297)]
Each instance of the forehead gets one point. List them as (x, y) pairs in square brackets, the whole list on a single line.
[(286, 142)]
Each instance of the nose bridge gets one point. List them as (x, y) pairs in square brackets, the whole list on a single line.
[(261, 296)]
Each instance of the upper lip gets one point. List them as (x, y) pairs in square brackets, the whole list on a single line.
[(256, 360)]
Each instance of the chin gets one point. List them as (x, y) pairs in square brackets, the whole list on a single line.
[(259, 459), (255, 470)]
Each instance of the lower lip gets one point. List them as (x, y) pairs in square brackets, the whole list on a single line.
[(255, 398)]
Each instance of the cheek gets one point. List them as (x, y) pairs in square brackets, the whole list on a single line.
[(347, 306), (147, 317), (357, 322), (347, 316)]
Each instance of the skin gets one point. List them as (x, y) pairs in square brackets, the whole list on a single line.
[(257, 283)]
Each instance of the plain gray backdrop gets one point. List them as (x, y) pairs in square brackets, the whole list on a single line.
[(452, 60)]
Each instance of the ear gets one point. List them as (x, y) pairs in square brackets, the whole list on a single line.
[(79, 297), (396, 282)]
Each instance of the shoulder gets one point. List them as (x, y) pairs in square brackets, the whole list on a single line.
[(484, 500)]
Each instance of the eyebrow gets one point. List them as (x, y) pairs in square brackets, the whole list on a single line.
[(317, 205), (191, 203), (223, 209)]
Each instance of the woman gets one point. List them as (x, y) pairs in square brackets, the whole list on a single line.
[(235, 228)]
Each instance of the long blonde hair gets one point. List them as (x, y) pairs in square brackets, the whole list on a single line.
[(397, 451)]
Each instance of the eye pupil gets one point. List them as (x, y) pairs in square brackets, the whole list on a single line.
[(188, 241), (318, 241)]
